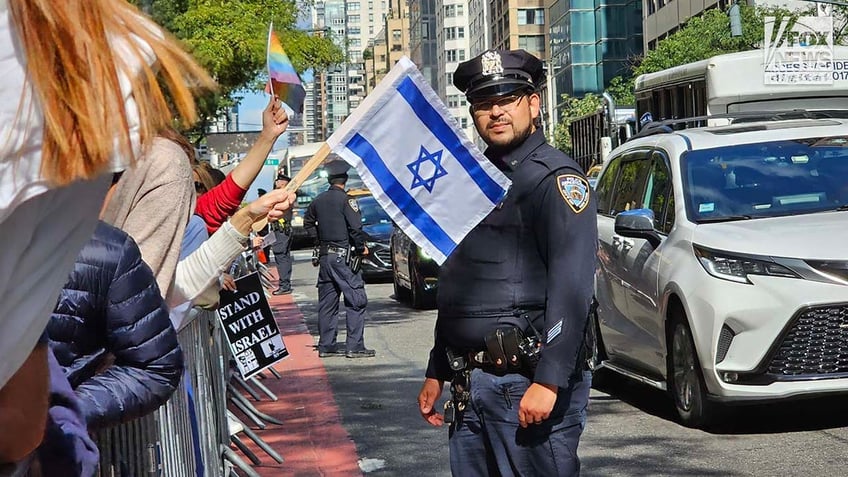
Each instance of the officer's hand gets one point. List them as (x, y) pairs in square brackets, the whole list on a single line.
[(537, 403), (364, 250), (430, 393), (275, 120)]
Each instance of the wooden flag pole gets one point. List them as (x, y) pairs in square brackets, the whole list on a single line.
[(308, 168), (301, 176)]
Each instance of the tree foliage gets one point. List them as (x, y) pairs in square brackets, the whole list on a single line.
[(229, 38), (574, 108)]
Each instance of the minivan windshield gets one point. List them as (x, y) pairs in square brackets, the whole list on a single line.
[(767, 179)]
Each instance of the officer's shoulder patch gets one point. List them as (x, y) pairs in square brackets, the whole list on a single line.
[(575, 190), (353, 204)]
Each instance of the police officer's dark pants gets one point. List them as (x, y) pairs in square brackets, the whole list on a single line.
[(334, 278), (283, 259), (489, 442)]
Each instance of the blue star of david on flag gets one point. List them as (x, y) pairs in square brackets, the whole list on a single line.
[(415, 167)]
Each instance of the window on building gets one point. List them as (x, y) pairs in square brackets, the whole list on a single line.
[(532, 42), (449, 77), (425, 32), (463, 122), (353, 18), (461, 55), (370, 5), (396, 35), (460, 32), (450, 56), (531, 16), (450, 33), (354, 31), (371, 17), (459, 12), (338, 21), (450, 11), (353, 6), (355, 42)]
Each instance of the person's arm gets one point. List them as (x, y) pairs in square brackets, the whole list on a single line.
[(274, 122), (354, 226), (567, 238), (310, 223), (148, 359), (217, 205), (197, 274)]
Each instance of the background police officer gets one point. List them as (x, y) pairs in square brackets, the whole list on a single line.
[(333, 217), (282, 245), (529, 265)]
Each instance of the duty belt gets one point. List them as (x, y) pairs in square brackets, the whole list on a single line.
[(340, 251)]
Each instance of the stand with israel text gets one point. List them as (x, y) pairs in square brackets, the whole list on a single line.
[(250, 327)]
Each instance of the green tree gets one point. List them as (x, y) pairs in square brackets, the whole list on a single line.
[(574, 108), (230, 37), (621, 89)]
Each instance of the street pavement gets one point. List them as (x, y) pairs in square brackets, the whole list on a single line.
[(631, 429)]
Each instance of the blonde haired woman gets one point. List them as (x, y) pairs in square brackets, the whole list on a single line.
[(83, 86)]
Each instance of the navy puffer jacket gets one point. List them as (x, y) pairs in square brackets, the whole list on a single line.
[(111, 309)]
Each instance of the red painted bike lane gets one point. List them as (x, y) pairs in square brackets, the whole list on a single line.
[(312, 440)]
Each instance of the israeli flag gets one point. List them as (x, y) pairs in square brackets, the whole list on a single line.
[(431, 180)]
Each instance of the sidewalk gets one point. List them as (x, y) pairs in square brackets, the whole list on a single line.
[(312, 440)]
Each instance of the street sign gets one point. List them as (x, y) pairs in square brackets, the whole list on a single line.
[(272, 162)]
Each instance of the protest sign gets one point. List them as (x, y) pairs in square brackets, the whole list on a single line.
[(250, 327)]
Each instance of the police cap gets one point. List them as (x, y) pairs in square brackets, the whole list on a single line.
[(281, 176), (336, 169), (498, 73)]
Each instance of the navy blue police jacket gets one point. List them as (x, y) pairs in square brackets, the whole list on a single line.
[(111, 309), (531, 260), (333, 219)]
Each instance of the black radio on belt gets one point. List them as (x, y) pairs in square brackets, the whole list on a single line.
[(510, 350)]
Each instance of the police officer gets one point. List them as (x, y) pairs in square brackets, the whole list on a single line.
[(282, 230), (333, 218), (514, 296)]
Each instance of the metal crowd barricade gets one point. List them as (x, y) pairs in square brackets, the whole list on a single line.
[(163, 442)]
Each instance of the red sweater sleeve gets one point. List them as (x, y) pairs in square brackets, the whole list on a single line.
[(217, 205)]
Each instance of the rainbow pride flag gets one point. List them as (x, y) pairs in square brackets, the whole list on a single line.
[(284, 80)]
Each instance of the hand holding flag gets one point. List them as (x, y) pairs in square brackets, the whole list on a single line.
[(283, 80)]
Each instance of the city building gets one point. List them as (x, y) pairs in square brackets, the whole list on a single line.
[(389, 45), (518, 24), (591, 42), (453, 42), (478, 26), (422, 39), (351, 25), (664, 17)]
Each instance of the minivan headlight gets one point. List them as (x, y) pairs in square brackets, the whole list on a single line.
[(736, 268)]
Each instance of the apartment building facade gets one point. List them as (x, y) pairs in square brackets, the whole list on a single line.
[(351, 25), (422, 39), (453, 49)]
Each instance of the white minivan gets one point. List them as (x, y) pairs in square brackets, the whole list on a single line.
[(723, 262)]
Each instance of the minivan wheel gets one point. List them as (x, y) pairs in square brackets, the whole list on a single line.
[(686, 378)]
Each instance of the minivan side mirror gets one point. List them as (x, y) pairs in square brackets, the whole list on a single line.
[(639, 224)]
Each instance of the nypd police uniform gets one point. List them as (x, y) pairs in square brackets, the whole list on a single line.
[(333, 218), (529, 265), (282, 247)]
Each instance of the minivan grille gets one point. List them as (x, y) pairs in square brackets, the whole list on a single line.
[(816, 345)]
